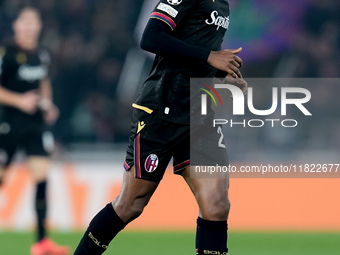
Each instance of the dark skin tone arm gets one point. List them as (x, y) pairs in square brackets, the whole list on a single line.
[(227, 61)]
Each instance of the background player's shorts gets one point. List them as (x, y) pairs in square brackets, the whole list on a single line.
[(34, 140), (154, 141)]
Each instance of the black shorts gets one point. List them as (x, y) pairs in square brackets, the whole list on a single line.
[(33, 139), (154, 141)]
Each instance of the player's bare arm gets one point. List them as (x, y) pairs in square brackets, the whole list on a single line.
[(26, 102), (50, 110)]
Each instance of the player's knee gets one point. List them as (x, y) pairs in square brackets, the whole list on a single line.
[(221, 210), (137, 208), (217, 209), (130, 210)]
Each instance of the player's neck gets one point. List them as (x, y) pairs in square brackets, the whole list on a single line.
[(26, 44)]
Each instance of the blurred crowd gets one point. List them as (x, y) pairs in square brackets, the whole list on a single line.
[(313, 53), (89, 40), (318, 47)]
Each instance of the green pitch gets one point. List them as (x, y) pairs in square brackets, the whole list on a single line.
[(182, 243)]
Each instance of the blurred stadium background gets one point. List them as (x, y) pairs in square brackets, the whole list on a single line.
[(97, 69)]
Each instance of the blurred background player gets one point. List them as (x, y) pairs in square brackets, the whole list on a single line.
[(186, 35), (26, 97)]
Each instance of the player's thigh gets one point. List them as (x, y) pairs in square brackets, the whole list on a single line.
[(39, 167), (133, 197), (211, 195)]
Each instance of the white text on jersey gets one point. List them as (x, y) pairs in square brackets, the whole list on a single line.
[(32, 73), (217, 20)]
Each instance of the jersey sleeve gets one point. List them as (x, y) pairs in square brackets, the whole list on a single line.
[(172, 12), (157, 39)]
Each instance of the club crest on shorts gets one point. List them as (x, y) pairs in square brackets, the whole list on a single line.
[(151, 163)]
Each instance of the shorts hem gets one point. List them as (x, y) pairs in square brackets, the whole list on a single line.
[(127, 167), (179, 168)]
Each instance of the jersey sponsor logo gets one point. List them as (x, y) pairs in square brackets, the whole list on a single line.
[(31, 73), (151, 163), (168, 9), (217, 20), (174, 2), (140, 126)]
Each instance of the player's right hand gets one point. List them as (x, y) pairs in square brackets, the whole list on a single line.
[(227, 61), (28, 102)]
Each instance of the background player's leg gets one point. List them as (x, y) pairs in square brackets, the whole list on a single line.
[(134, 196), (212, 198), (39, 167)]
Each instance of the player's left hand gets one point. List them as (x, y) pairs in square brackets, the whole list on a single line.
[(239, 82), (51, 114)]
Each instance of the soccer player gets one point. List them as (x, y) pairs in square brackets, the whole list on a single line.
[(186, 36), (26, 98)]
